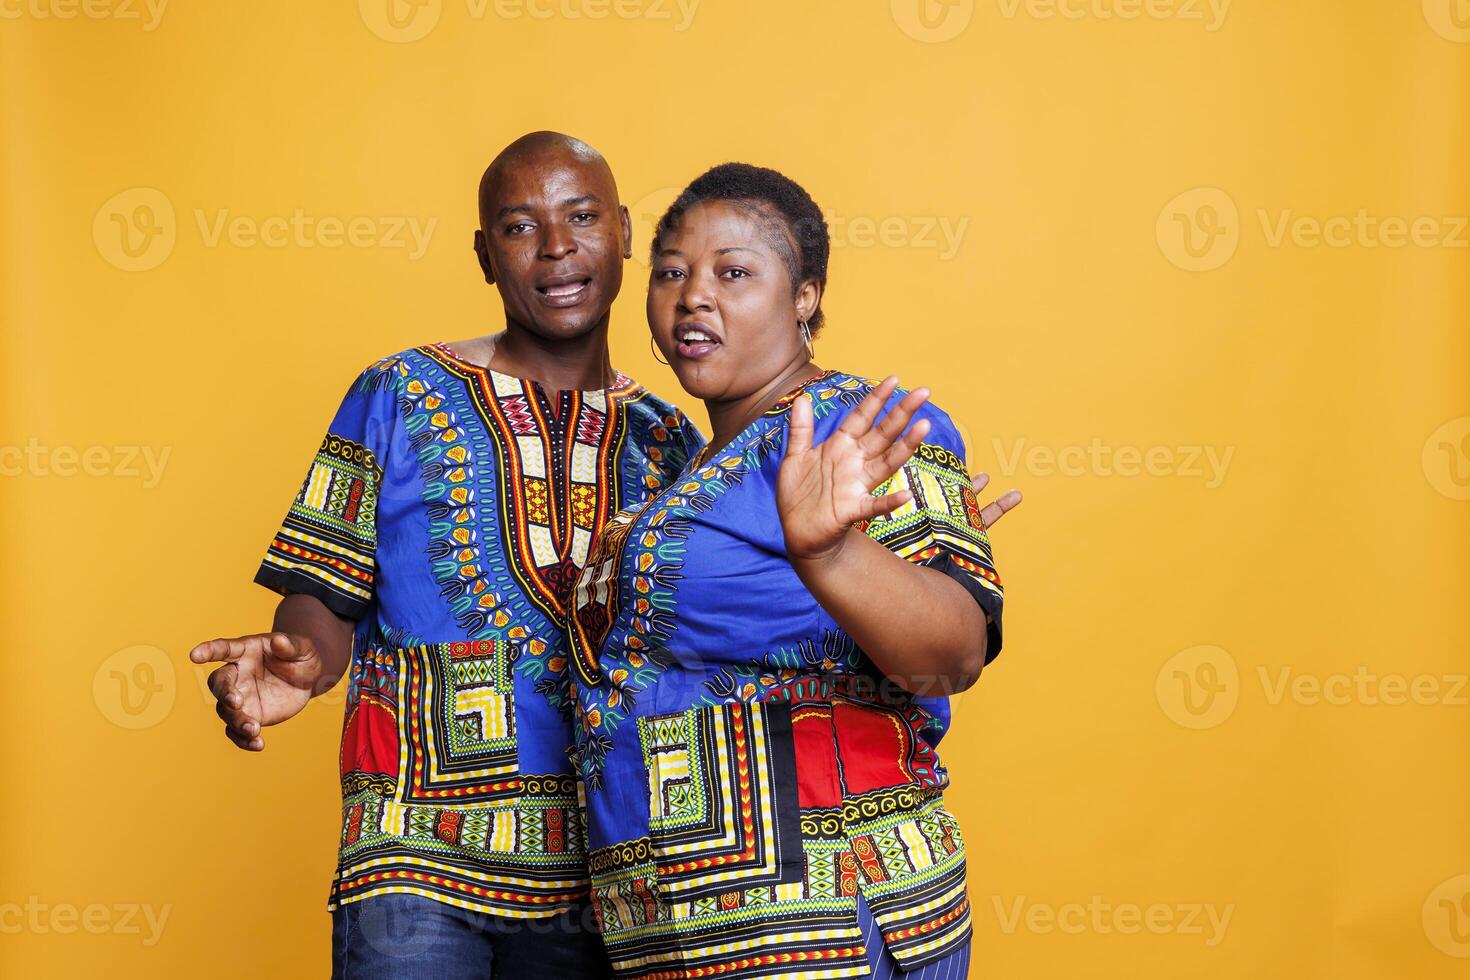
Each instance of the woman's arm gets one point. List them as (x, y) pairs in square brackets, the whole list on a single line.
[(918, 625)]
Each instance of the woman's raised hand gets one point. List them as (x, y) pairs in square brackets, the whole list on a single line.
[(822, 491)]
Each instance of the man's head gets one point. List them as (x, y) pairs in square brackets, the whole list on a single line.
[(553, 234)]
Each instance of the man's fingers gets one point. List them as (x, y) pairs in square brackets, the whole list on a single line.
[(222, 684), (860, 419), (1002, 505), (799, 436), (246, 742), (230, 648), (284, 646), (237, 720)]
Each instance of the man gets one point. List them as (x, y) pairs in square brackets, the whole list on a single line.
[(430, 557)]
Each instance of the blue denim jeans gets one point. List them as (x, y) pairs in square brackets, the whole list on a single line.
[(405, 937)]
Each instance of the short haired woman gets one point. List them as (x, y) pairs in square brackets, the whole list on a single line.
[(764, 650)]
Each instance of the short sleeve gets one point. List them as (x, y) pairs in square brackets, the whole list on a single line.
[(940, 527), (327, 544)]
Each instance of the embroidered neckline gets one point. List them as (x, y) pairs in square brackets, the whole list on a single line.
[(621, 382)]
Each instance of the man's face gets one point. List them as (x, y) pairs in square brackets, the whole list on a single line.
[(552, 239)]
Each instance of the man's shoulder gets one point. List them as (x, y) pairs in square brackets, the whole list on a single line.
[(386, 373)]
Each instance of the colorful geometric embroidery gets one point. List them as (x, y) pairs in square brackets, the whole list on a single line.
[(521, 858), (457, 723), (718, 814), (330, 533), (411, 536)]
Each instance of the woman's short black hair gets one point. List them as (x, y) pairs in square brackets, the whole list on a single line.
[(806, 244)]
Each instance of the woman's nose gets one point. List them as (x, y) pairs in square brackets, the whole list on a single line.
[(696, 294)]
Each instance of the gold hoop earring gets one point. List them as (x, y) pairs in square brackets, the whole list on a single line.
[(654, 347), (804, 328)]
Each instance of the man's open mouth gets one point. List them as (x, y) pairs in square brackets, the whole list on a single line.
[(562, 291)]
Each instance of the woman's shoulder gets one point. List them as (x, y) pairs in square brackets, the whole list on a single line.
[(836, 393)]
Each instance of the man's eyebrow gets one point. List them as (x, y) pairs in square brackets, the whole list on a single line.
[(506, 212), (570, 202)]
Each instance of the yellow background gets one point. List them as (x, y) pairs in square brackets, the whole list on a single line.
[(1133, 746)]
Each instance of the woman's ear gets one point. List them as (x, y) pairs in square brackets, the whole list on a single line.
[(808, 298)]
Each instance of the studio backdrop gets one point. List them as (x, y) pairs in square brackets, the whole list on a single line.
[(1194, 275)]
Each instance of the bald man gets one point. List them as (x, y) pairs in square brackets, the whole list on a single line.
[(430, 558)]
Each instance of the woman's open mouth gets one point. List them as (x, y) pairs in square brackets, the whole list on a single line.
[(695, 340)]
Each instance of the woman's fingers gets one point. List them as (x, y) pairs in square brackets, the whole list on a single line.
[(860, 419), (998, 508), (799, 437), (891, 426), (900, 452), (884, 505)]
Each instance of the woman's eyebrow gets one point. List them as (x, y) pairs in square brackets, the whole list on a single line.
[(734, 248)]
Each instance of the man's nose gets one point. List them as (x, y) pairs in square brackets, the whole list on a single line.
[(557, 242)]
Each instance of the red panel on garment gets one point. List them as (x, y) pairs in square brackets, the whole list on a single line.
[(817, 782), (370, 739), (875, 745)]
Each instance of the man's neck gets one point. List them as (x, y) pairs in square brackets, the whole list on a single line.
[(579, 363)]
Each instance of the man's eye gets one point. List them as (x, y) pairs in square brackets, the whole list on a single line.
[(583, 216), (518, 228)]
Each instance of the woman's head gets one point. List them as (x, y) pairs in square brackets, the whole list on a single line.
[(740, 260)]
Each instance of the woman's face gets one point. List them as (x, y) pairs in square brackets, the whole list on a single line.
[(720, 301)]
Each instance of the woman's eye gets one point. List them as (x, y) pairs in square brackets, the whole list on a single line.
[(668, 274), (736, 273)]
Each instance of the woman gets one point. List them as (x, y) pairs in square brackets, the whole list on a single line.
[(764, 649)]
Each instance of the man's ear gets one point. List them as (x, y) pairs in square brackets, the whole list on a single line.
[(627, 220), (808, 298), (483, 252)]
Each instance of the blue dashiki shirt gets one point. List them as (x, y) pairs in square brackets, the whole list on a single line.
[(449, 511), (705, 670)]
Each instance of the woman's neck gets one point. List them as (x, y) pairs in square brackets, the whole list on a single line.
[(728, 419)]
